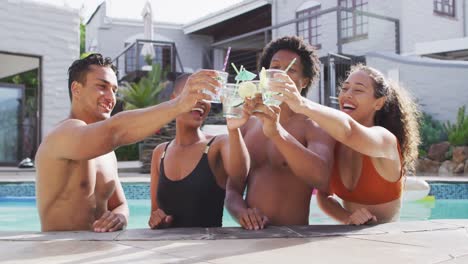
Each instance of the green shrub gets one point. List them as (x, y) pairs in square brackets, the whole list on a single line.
[(145, 92), (129, 152), (431, 132), (422, 152), (449, 153), (458, 132)]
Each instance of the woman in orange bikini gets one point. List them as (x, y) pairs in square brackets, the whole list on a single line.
[(377, 134)]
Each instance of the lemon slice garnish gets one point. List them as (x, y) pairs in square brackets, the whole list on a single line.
[(247, 89)]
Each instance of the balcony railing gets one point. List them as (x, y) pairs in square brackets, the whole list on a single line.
[(131, 63)]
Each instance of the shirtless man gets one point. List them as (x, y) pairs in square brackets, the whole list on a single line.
[(77, 186), (290, 154)]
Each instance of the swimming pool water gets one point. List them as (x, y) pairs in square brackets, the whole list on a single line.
[(20, 213)]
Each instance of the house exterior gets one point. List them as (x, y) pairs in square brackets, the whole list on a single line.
[(394, 36), (421, 43), (110, 36), (42, 39)]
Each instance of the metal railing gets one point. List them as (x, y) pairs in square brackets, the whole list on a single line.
[(267, 31), (336, 47), (130, 60)]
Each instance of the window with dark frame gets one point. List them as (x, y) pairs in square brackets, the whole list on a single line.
[(162, 57), (353, 26), (444, 7), (309, 29)]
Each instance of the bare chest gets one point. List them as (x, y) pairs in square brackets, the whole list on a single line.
[(262, 150), (100, 176)]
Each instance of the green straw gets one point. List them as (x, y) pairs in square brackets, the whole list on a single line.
[(235, 68), (290, 64)]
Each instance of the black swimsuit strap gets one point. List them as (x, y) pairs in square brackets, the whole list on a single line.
[(207, 148), (165, 149)]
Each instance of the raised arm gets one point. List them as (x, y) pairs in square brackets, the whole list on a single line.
[(312, 162), (236, 161), (126, 127), (235, 156), (374, 141)]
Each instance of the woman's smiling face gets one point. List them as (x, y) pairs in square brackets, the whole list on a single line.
[(357, 98)]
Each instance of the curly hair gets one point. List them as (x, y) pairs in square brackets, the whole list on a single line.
[(307, 54), (400, 114), (79, 68)]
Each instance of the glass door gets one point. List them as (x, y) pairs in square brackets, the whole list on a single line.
[(11, 112)]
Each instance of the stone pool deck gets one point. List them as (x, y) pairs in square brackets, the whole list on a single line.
[(437, 241)]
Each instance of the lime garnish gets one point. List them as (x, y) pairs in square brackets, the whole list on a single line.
[(247, 89), (263, 79)]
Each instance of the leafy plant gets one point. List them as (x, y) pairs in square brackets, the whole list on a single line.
[(128, 152), (82, 37), (431, 132), (145, 92), (458, 132)]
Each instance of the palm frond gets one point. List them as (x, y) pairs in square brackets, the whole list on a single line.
[(145, 92)]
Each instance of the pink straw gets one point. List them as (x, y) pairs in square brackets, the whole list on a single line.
[(226, 58)]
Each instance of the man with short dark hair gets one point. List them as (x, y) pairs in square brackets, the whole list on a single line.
[(77, 186)]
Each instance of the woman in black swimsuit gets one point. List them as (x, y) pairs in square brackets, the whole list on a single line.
[(189, 174)]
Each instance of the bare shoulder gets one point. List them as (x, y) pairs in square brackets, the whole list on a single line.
[(313, 127), (54, 138), (386, 135), (219, 139), (218, 143), (159, 149), (314, 133), (63, 128), (156, 157)]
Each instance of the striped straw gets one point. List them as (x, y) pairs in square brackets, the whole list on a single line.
[(226, 58)]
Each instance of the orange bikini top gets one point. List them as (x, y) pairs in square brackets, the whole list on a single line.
[(371, 188)]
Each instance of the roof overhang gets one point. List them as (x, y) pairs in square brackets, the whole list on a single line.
[(14, 64), (222, 15), (449, 49)]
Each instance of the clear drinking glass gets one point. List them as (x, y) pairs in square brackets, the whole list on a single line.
[(222, 78), (231, 100), (233, 94), (267, 94)]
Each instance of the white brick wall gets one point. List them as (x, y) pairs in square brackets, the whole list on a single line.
[(381, 34), (420, 24), (48, 31), (440, 87)]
